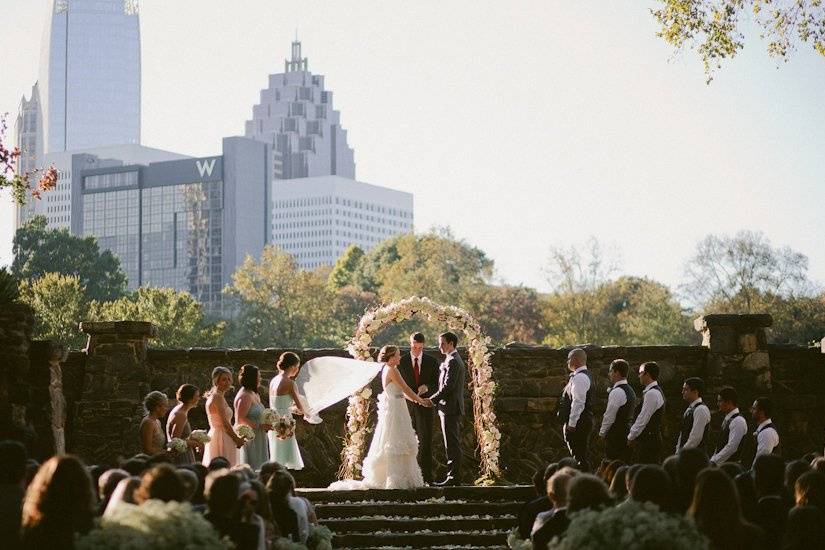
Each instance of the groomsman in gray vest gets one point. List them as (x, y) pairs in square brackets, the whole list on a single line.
[(696, 419), (734, 428), (621, 400), (767, 438), (646, 432), (577, 398)]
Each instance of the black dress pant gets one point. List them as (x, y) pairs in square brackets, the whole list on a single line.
[(451, 427), (615, 447), (578, 440), (649, 449), (422, 421)]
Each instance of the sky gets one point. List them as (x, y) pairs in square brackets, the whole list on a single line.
[(520, 125)]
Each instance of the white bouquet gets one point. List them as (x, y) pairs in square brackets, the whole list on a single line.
[(245, 432), (269, 416), (201, 436), (177, 445), (154, 524), (630, 526), (515, 542)]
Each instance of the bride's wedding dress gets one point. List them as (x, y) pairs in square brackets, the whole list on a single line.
[(391, 462)]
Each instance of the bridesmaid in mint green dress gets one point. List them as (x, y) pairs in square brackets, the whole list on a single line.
[(248, 409), (282, 397)]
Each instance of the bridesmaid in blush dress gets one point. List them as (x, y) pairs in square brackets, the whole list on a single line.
[(177, 425), (283, 397), (152, 437), (224, 441), (248, 411)]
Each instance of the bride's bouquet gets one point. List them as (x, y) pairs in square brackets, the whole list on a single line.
[(245, 432), (177, 445), (200, 436), (284, 427)]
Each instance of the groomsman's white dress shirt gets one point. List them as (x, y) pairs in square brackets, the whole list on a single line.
[(577, 388), (701, 418), (766, 439), (652, 401), (737, 427), (616, 399)]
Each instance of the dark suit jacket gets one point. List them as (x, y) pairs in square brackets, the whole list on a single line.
[(449, 398), (555, 526), (428, 373)]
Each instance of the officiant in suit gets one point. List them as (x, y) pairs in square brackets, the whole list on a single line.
[(420, 372)]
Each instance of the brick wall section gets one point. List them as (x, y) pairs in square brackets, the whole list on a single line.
[(104, 391)]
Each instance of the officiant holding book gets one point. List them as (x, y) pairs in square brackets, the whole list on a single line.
[(420, 372)]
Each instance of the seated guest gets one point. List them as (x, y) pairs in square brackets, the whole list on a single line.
[(554, 523), (160, 483), (793, 470), (190, 482), (223, 490), (269, 468), (527, 514), (810, 490), (633, 469), (747, 495), (671, 467), (218, 463), (106, 486), (609, 471), (818, 464), (771, 509), (152, 438), (618, 487), (587, 492), (264, 510), (690, 462), (12, 478), (59, 505), (279, 487), (715, 509), (805, 529), (134, 466), (123, 493), (651, 484)]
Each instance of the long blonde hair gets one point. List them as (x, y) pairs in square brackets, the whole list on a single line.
[(217, 372)]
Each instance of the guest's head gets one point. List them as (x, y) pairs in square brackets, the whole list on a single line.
[(218, 463), (389, 355), (161, 483), (793, 470), (747, 493), (189, 480), (727, 400), (221, 380), (134, 466), (648, 372), (262, 508), (289, 364), (762, 409), (156, 404), (12, 462), (733, 469), (587, 491), (558, 484), (652, 484), (244, 471), (568, 462), (188, 395), (125, 492), (280, 486), (715, 508), (269, 468), (60, 499), (671, 466), (447, 342), (633, 469), (200, 472), (618, 487), (810, 490), (609, 471), (417, 343), (768, 475), (690, 463), (805, 528), (618, 370), (818, 464), (576, 358), (222, 490), (249, 378), (107, 482), (692, 389)]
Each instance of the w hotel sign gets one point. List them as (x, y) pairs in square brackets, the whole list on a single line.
[(176, 172)]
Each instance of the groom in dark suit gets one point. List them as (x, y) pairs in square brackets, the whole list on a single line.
[(449, 401), (420, 372)]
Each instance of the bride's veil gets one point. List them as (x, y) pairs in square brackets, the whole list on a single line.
[(324, 381)]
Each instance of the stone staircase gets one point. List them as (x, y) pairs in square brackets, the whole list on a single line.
[(452, 517)]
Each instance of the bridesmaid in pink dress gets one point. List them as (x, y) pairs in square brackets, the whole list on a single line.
[(225, 442)]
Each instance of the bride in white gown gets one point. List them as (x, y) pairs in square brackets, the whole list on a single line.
[(391, 462)]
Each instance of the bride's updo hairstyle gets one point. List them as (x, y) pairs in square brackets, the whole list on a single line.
[(287, 360), (386, 352), (216, 373)]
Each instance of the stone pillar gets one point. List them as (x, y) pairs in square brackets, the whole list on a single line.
[(108, 415), (16, 324), (738, 349), (47, 408)]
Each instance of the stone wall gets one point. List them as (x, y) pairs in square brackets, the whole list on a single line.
[(104, 386)]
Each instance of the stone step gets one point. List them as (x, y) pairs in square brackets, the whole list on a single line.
[(518, 493), (407, 524), (448, 547), (382, 539), (415, 509)]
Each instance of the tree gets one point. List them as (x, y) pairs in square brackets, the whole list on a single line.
[(20, 183), (651, 315), (38, 250), (510, 314), (177, 315), (743, 274), (715, 25), (346, 268), (60, 304)]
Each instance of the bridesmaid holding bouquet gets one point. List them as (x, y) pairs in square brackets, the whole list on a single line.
[(224, 441), (248, 410), (283, 397)]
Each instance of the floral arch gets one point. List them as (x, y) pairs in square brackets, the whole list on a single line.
[(483, 387)]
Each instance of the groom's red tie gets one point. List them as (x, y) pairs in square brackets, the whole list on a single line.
[(416, 371)]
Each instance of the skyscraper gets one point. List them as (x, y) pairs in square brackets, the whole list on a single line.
[(295, 116)]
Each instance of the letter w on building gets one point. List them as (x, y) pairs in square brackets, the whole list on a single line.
[(205, 166)]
